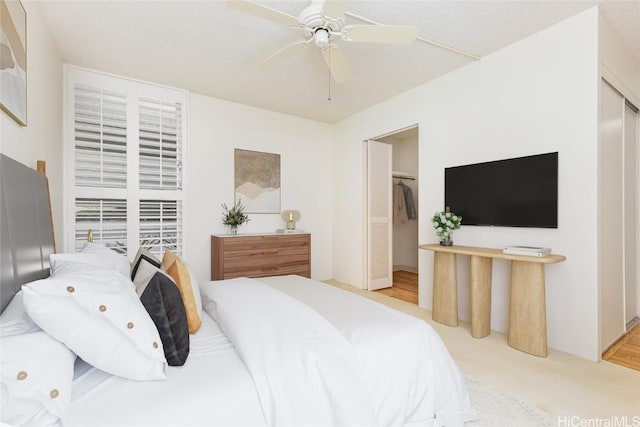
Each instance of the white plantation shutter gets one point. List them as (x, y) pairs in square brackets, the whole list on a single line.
[(125, 142), (160, 145), (161, 226), (100, 133), (106, 218)]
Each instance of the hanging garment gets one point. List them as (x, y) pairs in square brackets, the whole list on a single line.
[(399, 207), (408, 201)]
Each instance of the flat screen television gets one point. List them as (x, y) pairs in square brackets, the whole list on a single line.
[(519, 192)]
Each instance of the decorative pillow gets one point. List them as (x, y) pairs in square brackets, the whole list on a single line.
[(36, 373), (144, 266), (143, 254), (106, 261), (98, 315), (178, 271), (161, 298), (15, 320)]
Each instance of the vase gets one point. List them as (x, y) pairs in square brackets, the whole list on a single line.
[(233, 229), (446, 241)]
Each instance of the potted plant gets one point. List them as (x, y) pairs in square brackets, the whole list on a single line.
[(234, 216), (444, 223)]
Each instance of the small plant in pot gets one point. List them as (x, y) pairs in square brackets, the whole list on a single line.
[(234, 217)]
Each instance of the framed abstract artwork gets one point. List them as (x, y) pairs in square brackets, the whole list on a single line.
[(13, 60), (257, 181)]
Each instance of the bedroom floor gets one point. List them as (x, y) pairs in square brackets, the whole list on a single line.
[(560, 384), (405, 287)]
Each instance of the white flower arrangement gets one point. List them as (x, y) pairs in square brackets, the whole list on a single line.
[(445, 222)]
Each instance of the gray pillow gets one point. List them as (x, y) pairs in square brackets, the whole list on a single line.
[(162, 300)]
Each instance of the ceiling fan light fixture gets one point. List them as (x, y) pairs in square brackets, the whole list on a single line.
[(323, 23), (321, 37)]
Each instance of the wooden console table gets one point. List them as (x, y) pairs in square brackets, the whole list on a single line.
[(527, 307)]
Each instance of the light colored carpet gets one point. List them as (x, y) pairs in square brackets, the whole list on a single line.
[(497, 409), (561, 384)]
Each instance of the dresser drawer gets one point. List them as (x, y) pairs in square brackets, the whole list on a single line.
[(301, 270), (264, 258), (260, 255), (241, 244)]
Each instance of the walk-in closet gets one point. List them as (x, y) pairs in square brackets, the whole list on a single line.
[(404, 201)]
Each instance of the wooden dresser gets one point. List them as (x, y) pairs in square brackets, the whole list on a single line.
[(260, 255)]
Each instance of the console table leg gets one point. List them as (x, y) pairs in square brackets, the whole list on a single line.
[(445, 289), (480, 296), (527, 308)]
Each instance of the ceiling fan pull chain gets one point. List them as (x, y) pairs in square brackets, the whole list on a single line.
[(329, 74)]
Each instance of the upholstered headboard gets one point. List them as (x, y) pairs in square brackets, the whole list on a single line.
[(26, 234)]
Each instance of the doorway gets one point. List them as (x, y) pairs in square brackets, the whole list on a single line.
[(402, 200)]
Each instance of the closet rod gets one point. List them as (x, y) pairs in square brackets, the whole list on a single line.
[(412, 178)]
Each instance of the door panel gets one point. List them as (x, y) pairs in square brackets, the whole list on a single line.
[(611, 218), (630, 213), (379, 216)]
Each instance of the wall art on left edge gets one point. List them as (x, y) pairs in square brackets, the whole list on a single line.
[(257, 181), (13, 60)]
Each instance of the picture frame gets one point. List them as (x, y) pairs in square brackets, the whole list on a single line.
[(13, 60), (257, 181)]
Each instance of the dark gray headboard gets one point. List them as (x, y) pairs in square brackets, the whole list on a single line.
[(26, 234)]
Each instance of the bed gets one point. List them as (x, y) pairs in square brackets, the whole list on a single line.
[(273, 351)]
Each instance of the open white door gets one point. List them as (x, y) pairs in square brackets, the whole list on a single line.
[(379, 215)]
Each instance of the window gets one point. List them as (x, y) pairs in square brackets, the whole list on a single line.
[(106, 218), (124, 163), (160, 225)]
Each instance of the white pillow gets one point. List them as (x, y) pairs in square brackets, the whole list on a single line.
[(15, 320), (96, 248), (106, 261), (36, 374), (98, 315)]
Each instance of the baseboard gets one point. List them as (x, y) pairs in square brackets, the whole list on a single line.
[(408, 268)]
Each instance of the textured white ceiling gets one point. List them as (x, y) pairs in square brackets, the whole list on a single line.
[(209, 49)]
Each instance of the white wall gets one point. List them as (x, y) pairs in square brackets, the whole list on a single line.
[(217, 127), (535, 96), (42, 138)]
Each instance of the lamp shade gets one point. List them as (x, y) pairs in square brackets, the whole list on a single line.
[(291, 215)]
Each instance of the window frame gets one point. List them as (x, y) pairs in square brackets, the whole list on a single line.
[(135, 90)]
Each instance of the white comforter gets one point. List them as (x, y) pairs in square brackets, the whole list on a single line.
[(323, 356), (213, 388)]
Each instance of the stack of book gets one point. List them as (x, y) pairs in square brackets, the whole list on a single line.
[(290, 231), (527, 250)]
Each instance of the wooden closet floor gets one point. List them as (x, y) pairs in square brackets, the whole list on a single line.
[(626, 352), (405, 287)]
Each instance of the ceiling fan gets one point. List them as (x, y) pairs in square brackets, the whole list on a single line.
[(322, 24)]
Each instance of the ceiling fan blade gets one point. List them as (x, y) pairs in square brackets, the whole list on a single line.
[(337, 64), (284, 53), (389, 34), (263, 12), (335, 8)]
